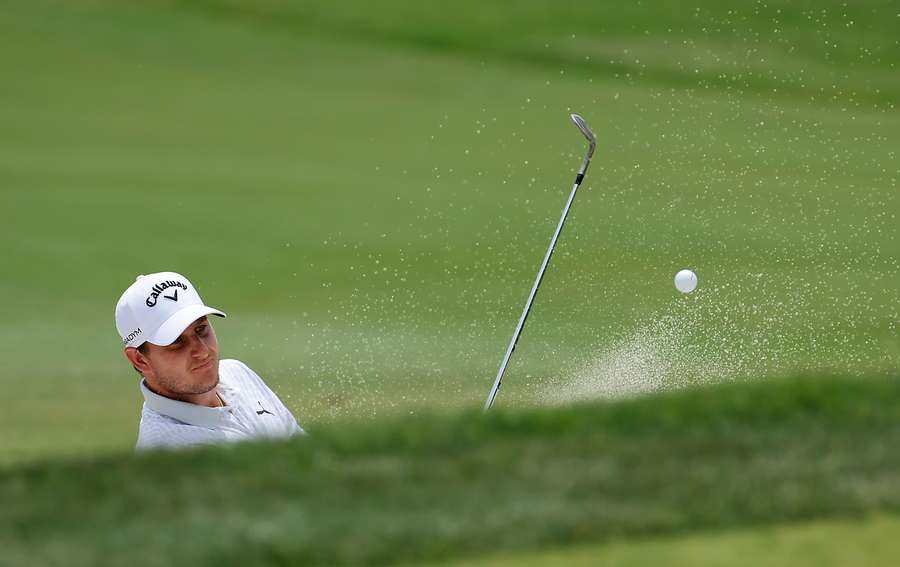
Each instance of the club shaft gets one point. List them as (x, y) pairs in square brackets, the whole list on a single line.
[(534, 289)]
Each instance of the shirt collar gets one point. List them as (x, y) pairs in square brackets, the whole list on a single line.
[(192, 414)]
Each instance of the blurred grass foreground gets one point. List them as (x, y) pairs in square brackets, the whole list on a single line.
[(703, 460)]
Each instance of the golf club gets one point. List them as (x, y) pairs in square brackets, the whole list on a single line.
[(585, 129)]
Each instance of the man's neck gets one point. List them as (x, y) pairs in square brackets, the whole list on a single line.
[(210, 399)]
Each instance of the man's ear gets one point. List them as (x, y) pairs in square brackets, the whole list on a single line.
[(137, 359)]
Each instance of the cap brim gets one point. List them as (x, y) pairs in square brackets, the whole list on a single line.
[(177, 323)]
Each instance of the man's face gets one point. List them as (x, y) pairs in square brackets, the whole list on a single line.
[(187, 367)]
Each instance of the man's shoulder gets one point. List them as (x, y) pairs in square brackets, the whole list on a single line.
[(243, 381), (233, 370), (232, 364), (235, 366), (237, 376)]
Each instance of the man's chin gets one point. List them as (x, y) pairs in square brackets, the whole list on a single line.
[(202, 386), (213, 384)]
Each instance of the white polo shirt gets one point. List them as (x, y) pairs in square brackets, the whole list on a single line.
[(251, 411)]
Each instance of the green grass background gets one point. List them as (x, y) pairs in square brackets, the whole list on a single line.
[(368, 188), (367, 191)]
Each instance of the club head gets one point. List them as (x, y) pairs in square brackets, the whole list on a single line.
[(586, 130)]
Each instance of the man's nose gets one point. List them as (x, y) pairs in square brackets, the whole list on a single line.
[(198, 347)]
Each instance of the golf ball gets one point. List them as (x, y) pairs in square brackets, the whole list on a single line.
[(685, 281)]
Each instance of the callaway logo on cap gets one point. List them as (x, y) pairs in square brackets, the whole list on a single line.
[(157, 308)]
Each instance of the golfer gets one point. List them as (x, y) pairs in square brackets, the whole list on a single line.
[(190, 396)]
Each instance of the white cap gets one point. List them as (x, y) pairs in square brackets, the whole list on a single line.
[(157, 308)]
